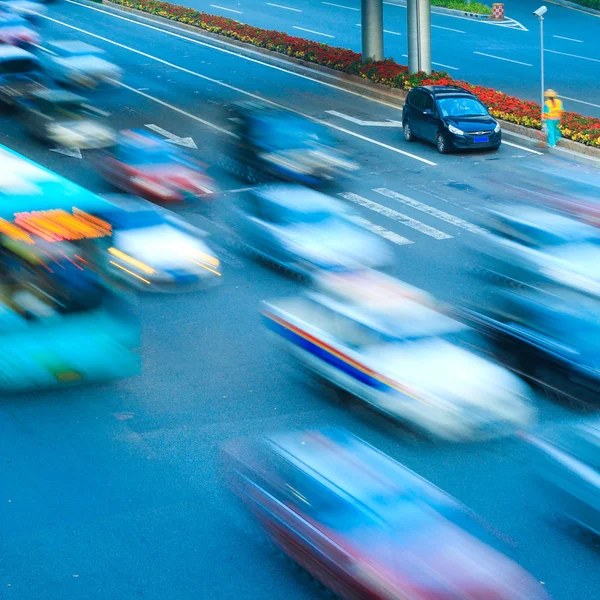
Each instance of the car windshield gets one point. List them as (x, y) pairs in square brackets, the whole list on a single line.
[(289, 134), (461, 107), (138, 219), (156, 156), (18, 65)]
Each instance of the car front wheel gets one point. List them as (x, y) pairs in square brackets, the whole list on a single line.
[(442, 144), (409, 136)]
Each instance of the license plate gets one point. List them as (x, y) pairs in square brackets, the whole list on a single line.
[(482, 139)]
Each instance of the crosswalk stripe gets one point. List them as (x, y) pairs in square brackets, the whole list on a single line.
[(434, 212), (396, 216), (381, 231)]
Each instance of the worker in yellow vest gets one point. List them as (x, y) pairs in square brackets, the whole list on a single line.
[(553, 112)]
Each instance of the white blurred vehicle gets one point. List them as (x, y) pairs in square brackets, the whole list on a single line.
[(32, 10), (78, 64), (155, 249), (388, 344)]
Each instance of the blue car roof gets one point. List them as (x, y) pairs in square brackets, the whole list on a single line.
[(138, 139), (72, 48)]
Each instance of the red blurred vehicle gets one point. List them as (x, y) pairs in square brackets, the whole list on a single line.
[(146, 166), (366, 526), (16, 31)]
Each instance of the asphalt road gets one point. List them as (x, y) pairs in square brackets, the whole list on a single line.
[(116, 491), (503, 55)]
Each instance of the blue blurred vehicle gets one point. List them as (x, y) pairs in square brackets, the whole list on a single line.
[(32, 10), (78, 64), (20, 75), (366, 526), (281, 145), (17, 31)]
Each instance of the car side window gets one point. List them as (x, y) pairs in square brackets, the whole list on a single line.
[(251, 205), (428, 103), (416, 100)]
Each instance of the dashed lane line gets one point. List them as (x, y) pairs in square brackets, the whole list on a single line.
[(510, 60), (232, 87), (283, 7), (312, 31), (396, 216), (380, 231), (430, 210), (239, 12)]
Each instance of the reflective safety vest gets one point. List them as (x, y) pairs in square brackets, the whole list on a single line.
[(554, 109)]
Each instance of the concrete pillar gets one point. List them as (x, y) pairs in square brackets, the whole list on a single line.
[(419, 35), (372, 29)]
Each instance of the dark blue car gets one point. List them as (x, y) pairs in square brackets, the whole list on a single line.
[(450, 117)]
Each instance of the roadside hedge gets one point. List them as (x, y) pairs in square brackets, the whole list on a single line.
[(386, 72), (589, 3), (474, 7)]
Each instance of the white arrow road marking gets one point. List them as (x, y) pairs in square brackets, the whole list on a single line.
[(430, 210), (72, 152), (380, 231), (388, 123), (396, 216), (188, 142)]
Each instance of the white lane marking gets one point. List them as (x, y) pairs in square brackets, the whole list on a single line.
[(384, 31), (216, 48), (312, 31), (187, 142), (523, 148), (573, 55), (396, 216), (430, 210), (449, 29), (340, 6), (381, 231), (518, 62), (239, 12), (284, 7), (71, 152), (176, 109), (560, 37), (438, 64), (226, 85), (335, 113), (580, 101)]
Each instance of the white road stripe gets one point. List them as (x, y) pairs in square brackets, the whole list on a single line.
[(340, 6), (384, 31), (284, 7), (580, 101), (573, 55), (236, 89), (449, 29), (445, 66), (518, 62), (239, 12), (311, 31), (522, 148), (380, 231), (430, 210), (396, 216), (560, 37)]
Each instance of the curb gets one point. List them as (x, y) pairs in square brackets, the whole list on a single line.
[(450, 11), (567, 4), (350, 83)]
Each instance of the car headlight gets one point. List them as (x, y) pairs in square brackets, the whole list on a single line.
[(455, 130), (497, 128)]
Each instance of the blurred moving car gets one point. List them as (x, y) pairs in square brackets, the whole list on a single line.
[(367, 526), (16, 31), (32, 10), (20, 75), (305, 231), (284, 145), (78, 64), (65, 119), (144, 165), (523, 244), (550, 334), (387, 343), (450, 117), (155, 249), (570, 464)]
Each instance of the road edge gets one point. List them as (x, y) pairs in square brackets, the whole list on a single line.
[(567, 4), (352, 84)]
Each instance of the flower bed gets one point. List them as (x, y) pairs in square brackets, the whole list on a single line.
[(386, 72), (474, 7)]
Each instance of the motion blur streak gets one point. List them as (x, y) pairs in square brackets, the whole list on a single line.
[(132, 261), (130, 272)]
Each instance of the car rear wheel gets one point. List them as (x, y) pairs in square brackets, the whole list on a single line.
[(441, 143), (409, 136)]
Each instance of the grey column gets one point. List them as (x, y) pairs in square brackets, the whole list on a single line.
[(419, 35), (372, 29)]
